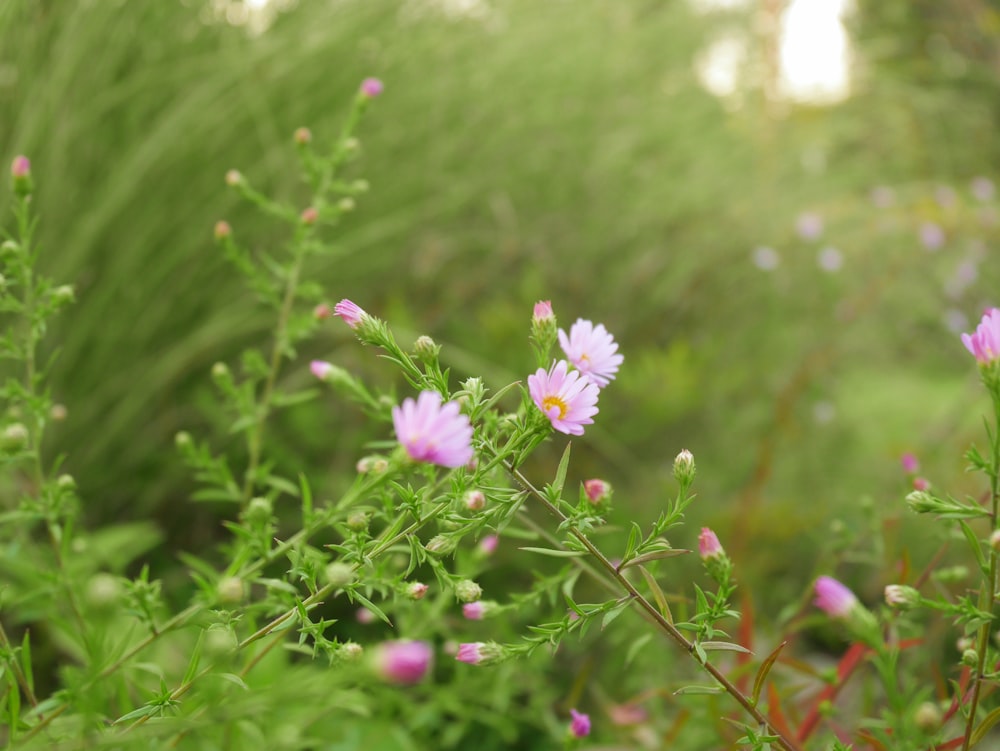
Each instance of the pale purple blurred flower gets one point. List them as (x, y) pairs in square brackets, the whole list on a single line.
[(474, 611), (403, 662), (883, 196), (766, 258), (320, 369), (592, 350), (432, 432), (984, 342), (371, 87), (20, 167), (833, 598), (809, 225), (909, 462), (931, 236), (983, 189), (579, 726), (921, 483), (568, 399), (955, 320), (830, 259), (488, 545)]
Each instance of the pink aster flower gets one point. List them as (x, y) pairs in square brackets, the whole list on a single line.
[(579, 726), (20, 167), (542, 312), (833, 598), (371, 87), (708, 545), (403, 662), (350, 313), (432, 432), (984, 343), (568, 399), (592, 350)]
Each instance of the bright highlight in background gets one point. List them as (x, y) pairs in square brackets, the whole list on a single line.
[(814, 51)]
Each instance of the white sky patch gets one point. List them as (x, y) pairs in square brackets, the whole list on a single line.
[(815, 51)]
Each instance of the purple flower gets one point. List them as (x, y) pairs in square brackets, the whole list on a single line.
[(350, 313), (320, 369), (592, 350), (833, 598), (809, 225), (569, 400), (984, 343), (708, 545), (983, 189), (488, 545), (931, 236), (371, 87), (579, 726), (432, 432), (910, 463), (403, 662)]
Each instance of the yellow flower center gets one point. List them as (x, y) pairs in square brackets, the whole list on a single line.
[(554, 401)]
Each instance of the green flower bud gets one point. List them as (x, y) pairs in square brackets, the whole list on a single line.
[(231, 590), (468, 591), (684, 469), (15, 437), (259, 510), (339, 574)]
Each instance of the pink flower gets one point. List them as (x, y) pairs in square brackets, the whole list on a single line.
[(984, 343), (809, 225), (403, 662), (20, 167), (222, 230), (909, 462), (474, 611), (416, 590), (322, 311), (365, 616), (320, 369), (350, 313), (921, 483), (983, 189), (579, 726), (708, 545), (542, 312), (569, 400), (432, 432), (597, 491), (488, 545), (833, 598), (931, 235), (592, 350), (371, 87)]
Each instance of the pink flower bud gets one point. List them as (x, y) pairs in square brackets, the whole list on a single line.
[(833, 598), (364, 616), (477, 652), (20, 168), (303, 136), (579, 726), (921, 483), (322, 311), (709, 546), (321, 369), (417, 590), (371, 87), (474, 611), (910, 463), (403, 662), (543, 312), (350, 313), (233, 178), (222, 230), (309, 215), (474, 500), (488, 545), (597, 491)]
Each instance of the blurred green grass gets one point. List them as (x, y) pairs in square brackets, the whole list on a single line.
[(552, 150)]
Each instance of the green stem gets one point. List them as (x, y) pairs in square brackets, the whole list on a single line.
[(666, 626)]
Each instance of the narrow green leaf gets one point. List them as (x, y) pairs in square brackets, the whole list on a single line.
[(556, 553), (724, 646), (136, 714), (616, 611), (26, 660), (636, 646), (192, 667), (698, 690), (234, 679), (307, 499), (654, 556), (763, 670), (977, 549), (371, 606), (557, 484), (661, 599)]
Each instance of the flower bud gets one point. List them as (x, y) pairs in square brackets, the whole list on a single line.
[(103, 591), (479, 653), (346, 204), (322, 311), (901, 597), (488, 545), (66, 482), (371, 88), (219, 642), (995, 540), (474, 500), (220, 373), (440, 545), (364, 616), (58, 413), (63, 294), (403, 662), (303, 136), (339, 574), (921, 483), (416, 590), (234, 178), (350, 650), (14, 437), (579, 726), (921, 502), (231, 590), (357, 521), (474, 611), (928, 718), (309, 215), (709, 546), (909, 463), (259, 510), (182, 440), (468, 591), (684, 469), (598, 492), (425, 349), (970, 657), (20, 172), (222, 230)]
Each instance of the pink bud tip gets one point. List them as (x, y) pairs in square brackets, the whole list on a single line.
[(222, 230), (474, 611), (488, 545), (303, 136), (320, 369), (579, 726), (543, 311), (403, 662), (471, 653), (322, 311), (709, 545), (597, 491), (310, 215), (350, 313), (20, 167), (909, 463), (833, 598), (371, 87), (921, 483)]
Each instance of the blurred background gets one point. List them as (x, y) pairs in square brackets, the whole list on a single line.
[(783, 209)]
